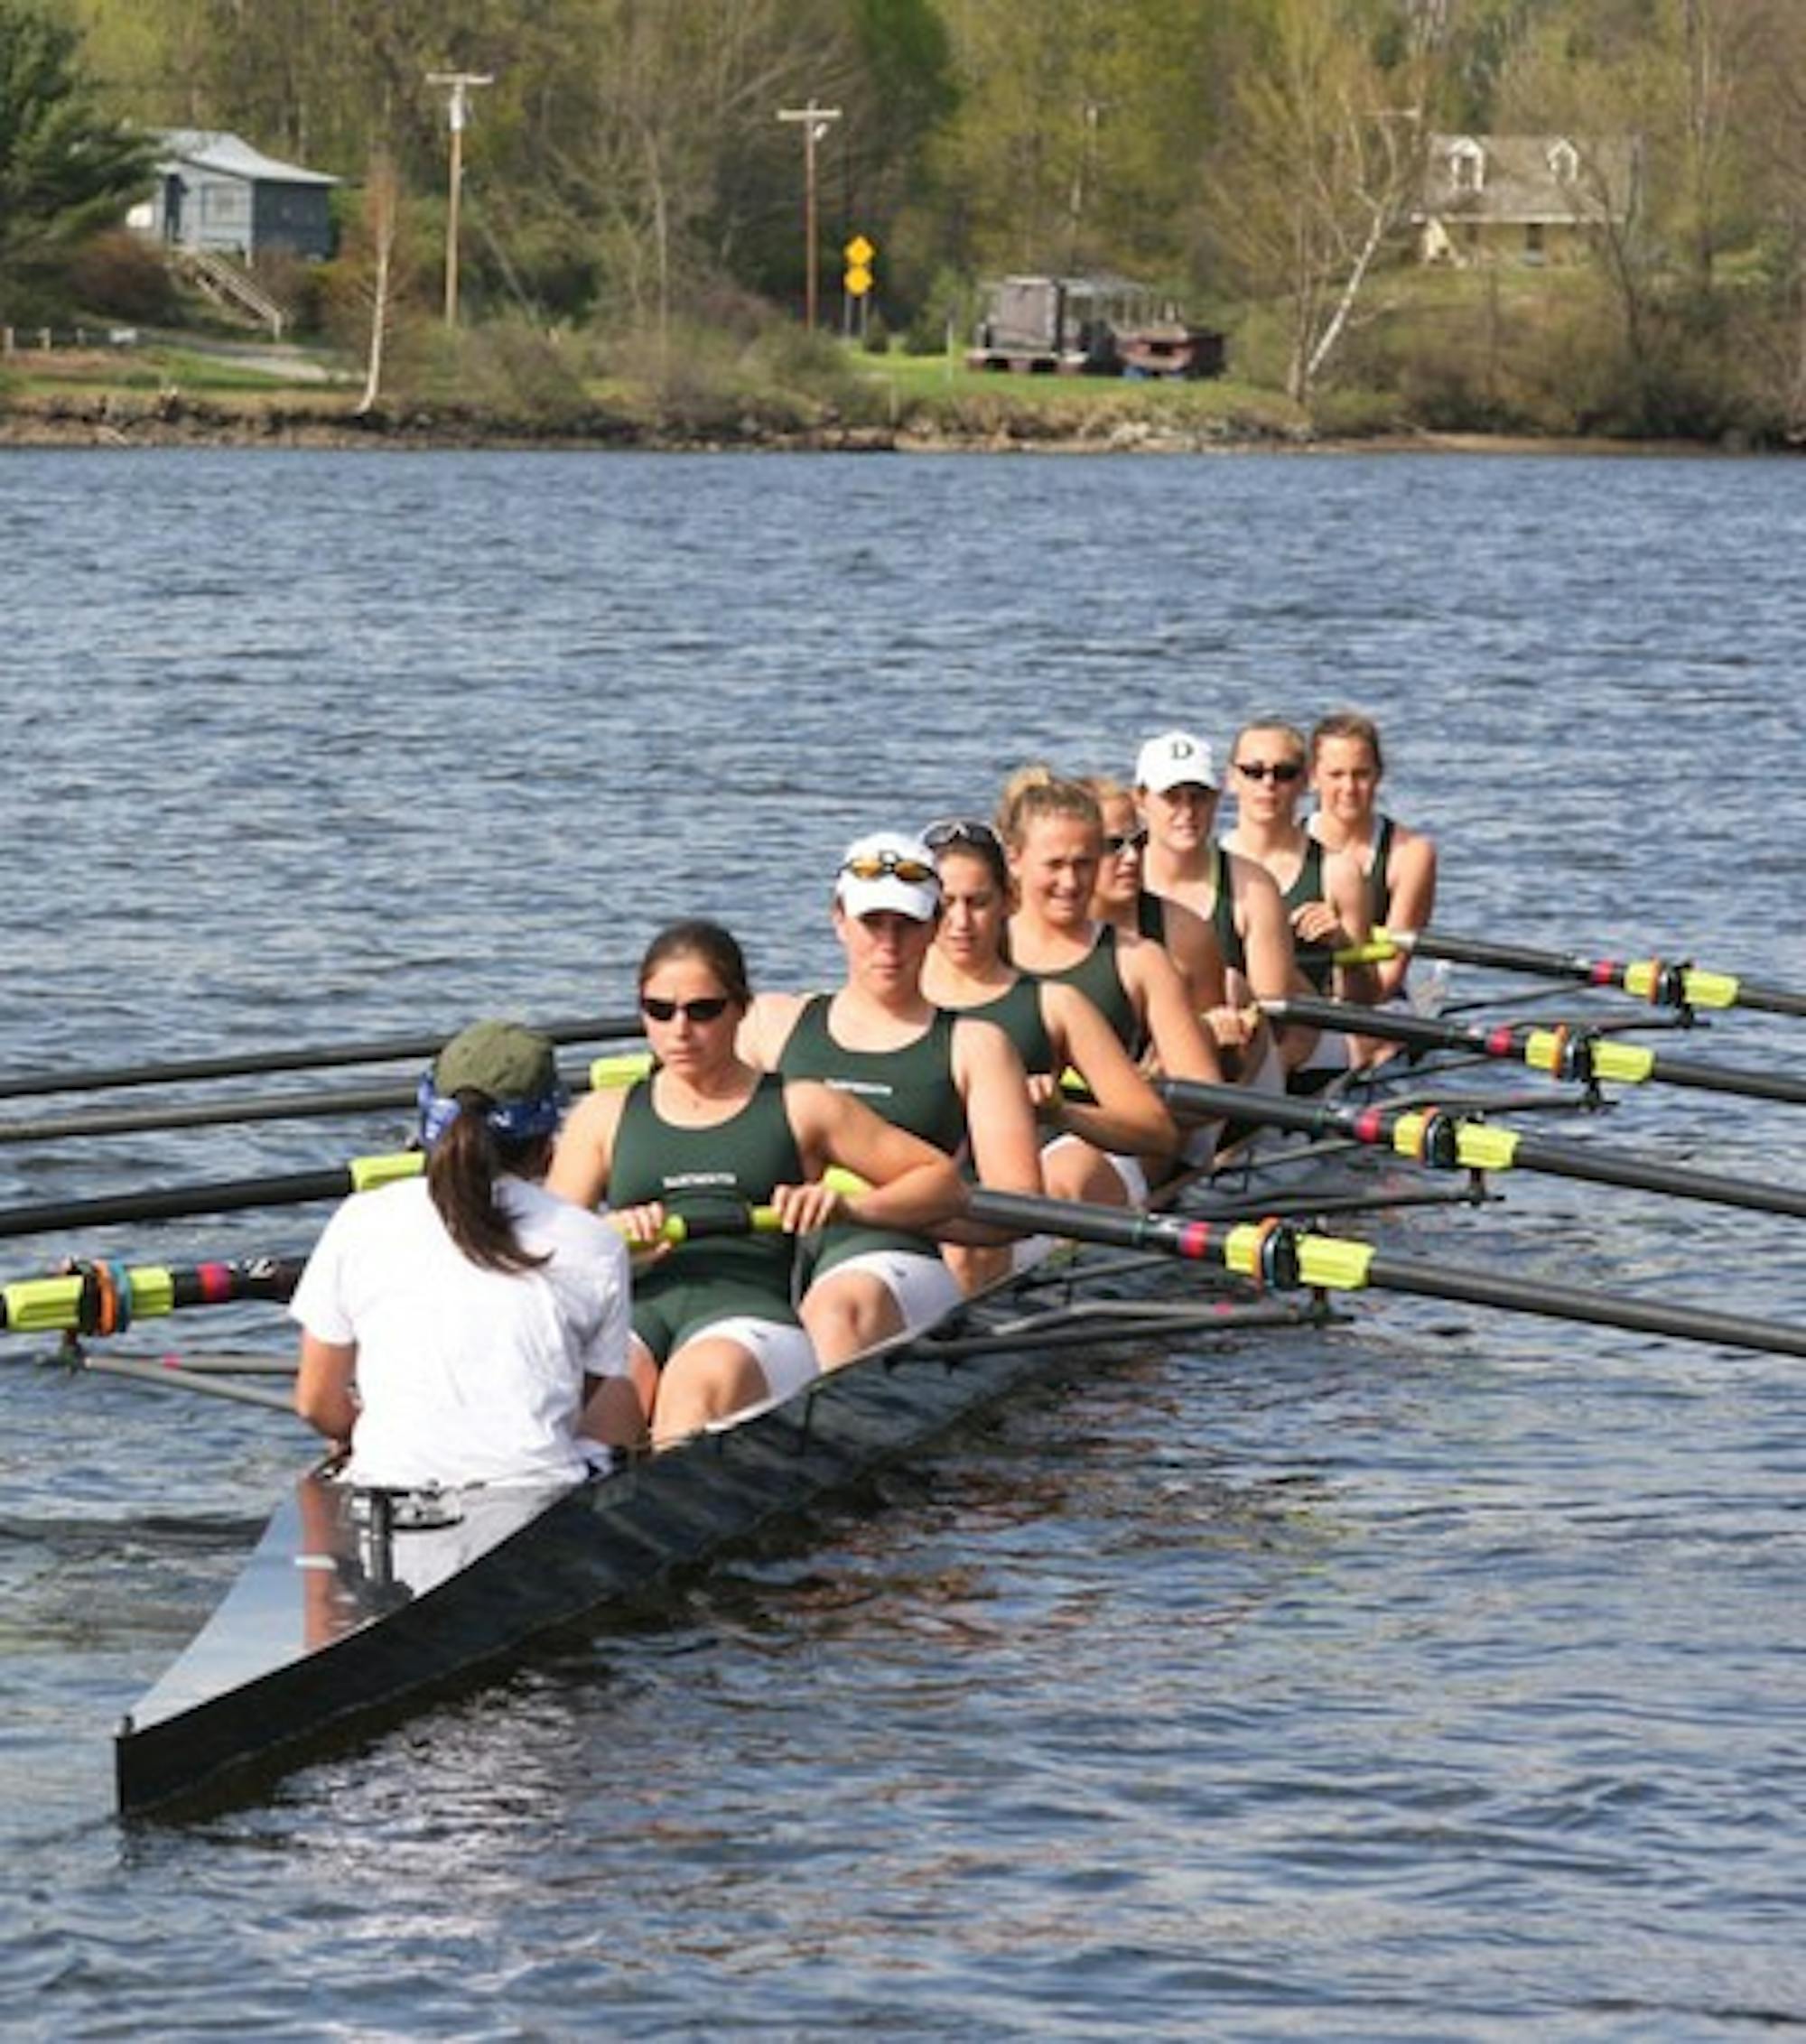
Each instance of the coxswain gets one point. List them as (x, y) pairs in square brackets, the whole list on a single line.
[(469, 1326)]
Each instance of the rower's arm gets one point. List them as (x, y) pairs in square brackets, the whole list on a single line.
[(1192, 944), (1006, 1150), (1411, 876), (1345, 890), (1127, 1116), (766, 1027), (1180, 1042), (586, 1147), (908, 1183), (323, 1395)]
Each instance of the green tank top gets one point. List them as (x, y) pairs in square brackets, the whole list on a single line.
[(1223, 913), (1315, 964), (704, 1174), (911, 1087), (1098, 976), (1017, 1013)]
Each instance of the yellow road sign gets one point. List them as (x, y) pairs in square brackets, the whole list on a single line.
[(858, 280), (859, 252)]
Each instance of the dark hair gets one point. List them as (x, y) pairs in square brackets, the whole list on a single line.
[(974, 840), (461, 1170), (1348, 724), (717, 948)]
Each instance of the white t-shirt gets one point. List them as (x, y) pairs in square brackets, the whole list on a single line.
[(467, 1375)]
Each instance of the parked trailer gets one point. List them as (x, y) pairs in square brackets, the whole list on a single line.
[(1089, 326)]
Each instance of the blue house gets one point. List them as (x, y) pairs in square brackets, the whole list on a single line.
[(216, 194)]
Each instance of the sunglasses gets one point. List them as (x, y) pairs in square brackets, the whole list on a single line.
[(1280, 770), (709, 1008), (879, 865), (1116, 842), (959, 830)]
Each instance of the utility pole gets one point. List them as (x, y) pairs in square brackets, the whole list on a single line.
[(815, 123), (459, 85)]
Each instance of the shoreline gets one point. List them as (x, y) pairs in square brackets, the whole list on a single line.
[(116, 420)]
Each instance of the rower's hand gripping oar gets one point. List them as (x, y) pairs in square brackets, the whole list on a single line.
[(1581, 1054), (1666, 983), (1278, 1257), (1443, 1141)]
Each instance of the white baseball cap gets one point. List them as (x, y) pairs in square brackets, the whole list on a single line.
[(888, 869), (1174, 759)]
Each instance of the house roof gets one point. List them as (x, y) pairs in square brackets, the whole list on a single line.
[(213, 149), (1521, 179)]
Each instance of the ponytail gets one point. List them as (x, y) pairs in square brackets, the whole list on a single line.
[(462, 1167)]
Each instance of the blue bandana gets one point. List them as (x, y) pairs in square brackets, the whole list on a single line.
[(513, 1120)]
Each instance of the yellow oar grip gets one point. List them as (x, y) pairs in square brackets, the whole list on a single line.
[(369, 1172), (46, 1305), (1710, 989), (1335, 1266), (1482, 1147), (620, 1069), (1626, 1063), (1376, 951)]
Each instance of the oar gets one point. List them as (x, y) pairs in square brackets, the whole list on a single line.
[(378, 1050), (1443, 1140), (222, 1195), (620, 1069), (1670, 984), (106, 1298), (1563, 1052), (1274, 1254)]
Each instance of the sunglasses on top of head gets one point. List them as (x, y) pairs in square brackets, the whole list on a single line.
[(884, 865), (706, 1008), (959, 830), (1279, 770)]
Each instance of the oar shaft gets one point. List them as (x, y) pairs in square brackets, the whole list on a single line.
[(1282, 1258), (222, 1195), (1573, 1302), (315, 1057), (1541, 1049), (1476, 1146), (1673, 984)]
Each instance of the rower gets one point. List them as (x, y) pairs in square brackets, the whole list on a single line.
[(1324, 892), (1093, 1148), (1398, 864), (1176, 790), (1053, 836), (454, 1325), (704, 1138), (954, 1081)]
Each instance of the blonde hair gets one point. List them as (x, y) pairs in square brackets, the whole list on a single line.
[(1285, 729), (1036, 791)]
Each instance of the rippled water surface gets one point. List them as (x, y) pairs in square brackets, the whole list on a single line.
[(1441, 1674)]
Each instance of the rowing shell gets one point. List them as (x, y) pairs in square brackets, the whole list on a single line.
[(356, 1604)]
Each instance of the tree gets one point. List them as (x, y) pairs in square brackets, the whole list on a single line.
[(65, 170), (1325, 162)]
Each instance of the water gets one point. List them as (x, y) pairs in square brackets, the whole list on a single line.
[(1440, 1675)]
